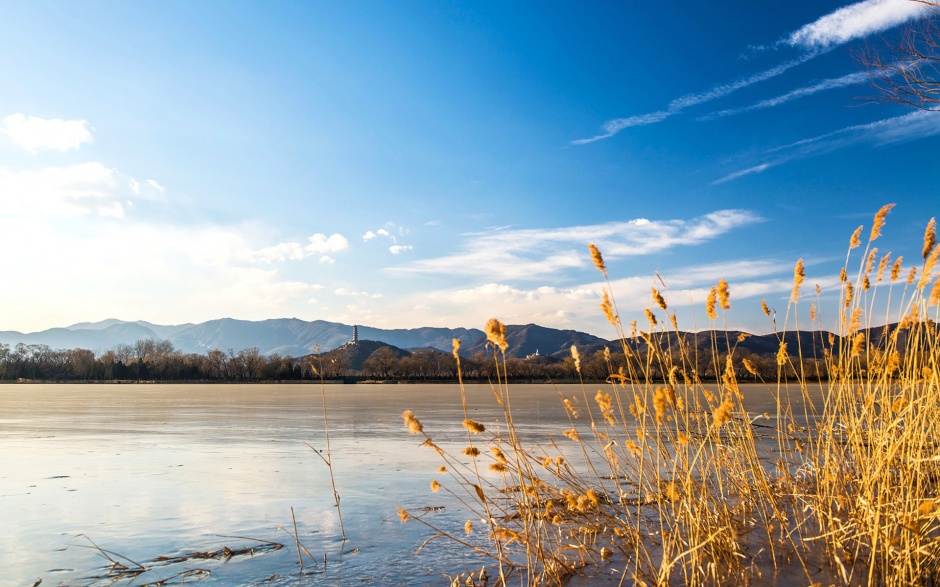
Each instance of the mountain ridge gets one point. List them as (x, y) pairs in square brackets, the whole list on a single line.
[(298, 338)]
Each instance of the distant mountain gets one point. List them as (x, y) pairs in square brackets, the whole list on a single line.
[(531, 339), (284, 336), (99, 339), (297, 338)]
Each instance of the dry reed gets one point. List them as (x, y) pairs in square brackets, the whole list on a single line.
[(664, 480)]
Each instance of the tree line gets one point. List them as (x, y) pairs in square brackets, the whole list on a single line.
[(158, 360)]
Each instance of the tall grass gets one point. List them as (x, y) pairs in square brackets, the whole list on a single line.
[(666, 480)]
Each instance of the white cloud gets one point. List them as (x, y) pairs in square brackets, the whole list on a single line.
[(854, 22), (33, 134), (529, 253), (153, 183), (750, 170), (828, 84), (399, 249), (55, 191), (369, 235), (616, 125), (351, 293), (134, 185), (723, 90), (612, 127), (320, 244)]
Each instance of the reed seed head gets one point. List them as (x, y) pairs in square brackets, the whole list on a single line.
[(471, 451), (930, 237), (499, 467), (608, 310), (604, 400), (858, 344), (403, 514), (414, 426), (879, 221), (798, 276), (456, 345), (764, 308), (711, 303), (866, 283), (660, 403), (577, 358), (442, 469), (856, 320), (660, 301), (570, 407), (855, 241), (896, 268), (572, 434), (882, 265), (498, 454), (435, 486), (496, 333), (724, 296), (870, 263), (911, 275), (474, 426), (934, 298), (842, 275), (672, 492), (929, 265), (650, 317), (749, 366), (782, 354), (597, 258), (722, 414), (633, 447), (468, 528)]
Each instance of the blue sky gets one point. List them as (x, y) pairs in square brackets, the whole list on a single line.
[(435, 164)]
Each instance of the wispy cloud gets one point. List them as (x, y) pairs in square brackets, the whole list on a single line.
[(827, 84), (612, 127), (836, 28), (34, 134), (723, 90), (529, 253), (888, 131), (854, 22), (399, 249)]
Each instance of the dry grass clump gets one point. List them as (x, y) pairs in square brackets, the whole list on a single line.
[(664, 480)]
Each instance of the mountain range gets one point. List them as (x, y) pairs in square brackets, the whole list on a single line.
[(297, 338), (291, 336)]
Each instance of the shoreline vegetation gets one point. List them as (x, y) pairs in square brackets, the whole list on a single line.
[(660, 480), (367, 361)]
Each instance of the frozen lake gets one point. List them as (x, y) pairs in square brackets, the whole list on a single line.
[(168, 470)]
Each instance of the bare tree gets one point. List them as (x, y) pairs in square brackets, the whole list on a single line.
[(907, 71)]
